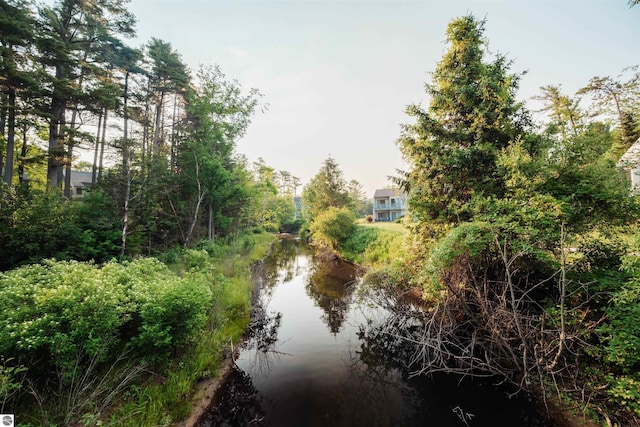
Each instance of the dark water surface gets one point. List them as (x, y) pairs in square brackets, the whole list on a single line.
[(310, 361)]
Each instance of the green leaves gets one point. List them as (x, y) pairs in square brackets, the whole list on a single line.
[(72, 311), (333, 226), (327, 188), (473, 114)]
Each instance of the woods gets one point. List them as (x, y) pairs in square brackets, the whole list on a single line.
[(164, 170)]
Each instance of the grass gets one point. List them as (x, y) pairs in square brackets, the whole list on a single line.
[(375, 244), (167, 399), (391, 226)]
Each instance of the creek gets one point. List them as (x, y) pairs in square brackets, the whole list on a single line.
[(313, 358)]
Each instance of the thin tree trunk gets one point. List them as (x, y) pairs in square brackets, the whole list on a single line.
[(102, 143), (11, 135), (23, 154), (173, 133), (196, 213), (158, 124), (3, 121), (67, 177), (126, 170), (145, 133), (94, 168)]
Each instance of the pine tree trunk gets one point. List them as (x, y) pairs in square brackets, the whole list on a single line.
[(55, 149), (126, 170), (96, 150), (102, 143), (3, 121), (173, 133), (67, 177), (56, 126), (11, 134), (23, 155), (158, 125)]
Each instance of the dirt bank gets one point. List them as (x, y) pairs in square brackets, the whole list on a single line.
[(205, 394)]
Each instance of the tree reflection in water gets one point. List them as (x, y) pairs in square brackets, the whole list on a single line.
[(347, 365), (281, 265), (331, 285)]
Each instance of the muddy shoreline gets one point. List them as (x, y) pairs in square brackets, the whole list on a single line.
[(206, 392), (207, 389)]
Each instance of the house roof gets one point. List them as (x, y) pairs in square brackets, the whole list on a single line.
[(631, 158), (81, 179), (388, 192)]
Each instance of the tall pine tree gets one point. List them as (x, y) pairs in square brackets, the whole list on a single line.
[(473, 114)]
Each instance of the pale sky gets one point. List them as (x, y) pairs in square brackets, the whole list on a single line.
[(337, 75)]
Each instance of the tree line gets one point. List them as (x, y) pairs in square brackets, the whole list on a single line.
[(163, 139)]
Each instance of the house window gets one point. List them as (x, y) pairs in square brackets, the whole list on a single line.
[(79, 191), (382, 202)]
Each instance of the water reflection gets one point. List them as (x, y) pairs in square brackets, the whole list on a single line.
[(317, 356), (331, 285), (282, 265)]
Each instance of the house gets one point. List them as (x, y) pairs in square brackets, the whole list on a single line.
[(389, 204), (297, 201), (630, 163), (80, 183)]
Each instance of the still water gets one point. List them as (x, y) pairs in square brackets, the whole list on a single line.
[(312, 360)]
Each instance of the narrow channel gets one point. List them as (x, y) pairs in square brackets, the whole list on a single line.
[(309, 361)]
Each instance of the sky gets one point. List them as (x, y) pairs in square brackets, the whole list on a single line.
[(338, 75)]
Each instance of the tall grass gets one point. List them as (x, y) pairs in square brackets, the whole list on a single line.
[(375, 245), (166, 399)]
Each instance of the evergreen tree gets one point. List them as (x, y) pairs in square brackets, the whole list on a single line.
[(168, 75), (473, 114), (17, 32), (327, 188), (73, 31)]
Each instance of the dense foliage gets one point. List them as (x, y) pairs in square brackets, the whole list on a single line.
[(81, 335), (520, 236), (330, 205), (68, 81), (333, 226), (86, 322)]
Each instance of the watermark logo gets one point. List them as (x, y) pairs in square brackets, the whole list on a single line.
[(6, 420)]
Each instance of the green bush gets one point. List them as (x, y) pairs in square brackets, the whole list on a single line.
[(359, 241), (333, 226), (69, 312), (39, 225), (621, 334)]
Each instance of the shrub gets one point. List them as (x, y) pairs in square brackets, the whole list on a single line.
[(69, 312), (333, 226)]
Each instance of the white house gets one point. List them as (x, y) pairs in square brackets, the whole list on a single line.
[(630, 163), (389, 204), (80, 182)]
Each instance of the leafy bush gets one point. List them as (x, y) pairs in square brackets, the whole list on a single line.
[(333, 226), (38, 225), (621, 334), (359, 240), (69, 312)]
